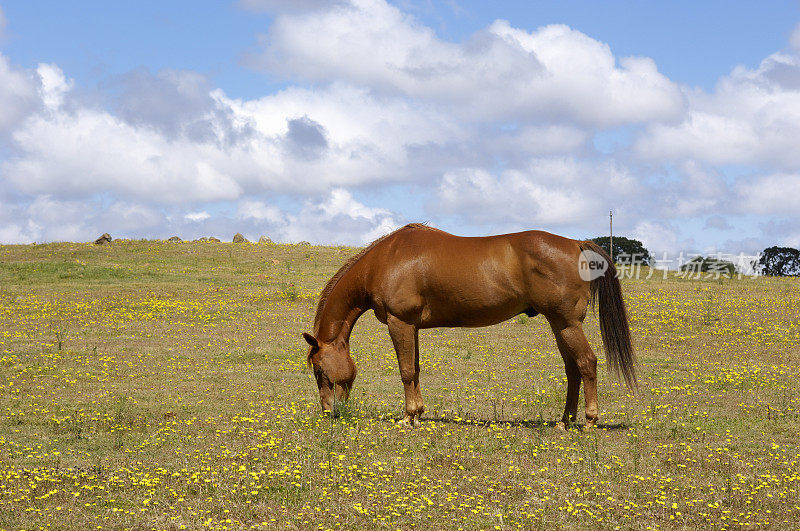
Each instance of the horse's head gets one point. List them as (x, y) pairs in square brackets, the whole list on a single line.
[(334, 371)]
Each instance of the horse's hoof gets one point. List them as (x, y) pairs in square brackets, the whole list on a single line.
[(409, 421), (561, 427)]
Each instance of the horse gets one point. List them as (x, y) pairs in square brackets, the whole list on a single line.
[(420, 277)]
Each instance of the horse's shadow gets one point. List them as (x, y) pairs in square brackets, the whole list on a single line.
[(539, 424)]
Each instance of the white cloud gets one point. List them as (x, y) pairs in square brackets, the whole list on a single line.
[(337, 218), (178, 104), (86, 152), (52, 219), (792, 240), (536, 140), (15, 226), (53, 86), (197, 216), (717, 222), (340, 218), (695, 191), (130, 217), (741, 251), (501, 72), (363, 138), (49, 218), (663, 240), (548, 192), (770, 194), (752, 117), (294, 141), (260, 212), (794, 39), (18, 95)]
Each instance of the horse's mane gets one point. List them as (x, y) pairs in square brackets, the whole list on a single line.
[(350, 263)]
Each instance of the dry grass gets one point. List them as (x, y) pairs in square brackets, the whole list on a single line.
[(152, 385)]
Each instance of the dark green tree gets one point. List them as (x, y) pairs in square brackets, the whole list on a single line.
[(626, 250), (780, 262)]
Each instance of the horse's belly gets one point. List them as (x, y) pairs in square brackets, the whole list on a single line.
[(469, 313)]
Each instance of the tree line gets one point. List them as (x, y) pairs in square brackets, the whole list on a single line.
[(774, 261)]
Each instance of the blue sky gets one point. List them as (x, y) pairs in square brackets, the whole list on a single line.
[(334, 122), (692, 42)]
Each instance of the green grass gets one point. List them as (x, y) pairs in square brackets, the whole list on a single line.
[(180, 398)]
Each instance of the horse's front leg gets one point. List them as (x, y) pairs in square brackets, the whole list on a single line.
[(406, 344)]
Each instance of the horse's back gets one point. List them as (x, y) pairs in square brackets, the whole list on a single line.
[(438, 279)]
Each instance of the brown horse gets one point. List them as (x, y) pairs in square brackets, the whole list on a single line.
[(421, 277)]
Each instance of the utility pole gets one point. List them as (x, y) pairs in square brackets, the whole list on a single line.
[(611, 235)]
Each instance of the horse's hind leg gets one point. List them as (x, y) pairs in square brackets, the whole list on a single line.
[(578, 354), (573, 387), (406, 344)]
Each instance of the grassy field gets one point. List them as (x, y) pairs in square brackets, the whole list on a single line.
[(148, 385)]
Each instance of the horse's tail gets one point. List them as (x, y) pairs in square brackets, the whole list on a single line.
[(613, 319)]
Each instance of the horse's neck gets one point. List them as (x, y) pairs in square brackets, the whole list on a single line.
[(344, 305)]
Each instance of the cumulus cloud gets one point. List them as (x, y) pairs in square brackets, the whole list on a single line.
[(536, 140), (480, 197), (794, 39), (548, 192), (770, 194), (694, 190), (197, 216), (53, 85), (554, 72), (337, 218), (49, 218), (306, 138), (297, 141), (793, 240), (261, 212), (18, 95), (717, 222), (751, 117), (781, 231), (86, 152), (343, 135), (177, 104), (663, 240)]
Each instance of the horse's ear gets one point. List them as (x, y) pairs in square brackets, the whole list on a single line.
[(311, 340)]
